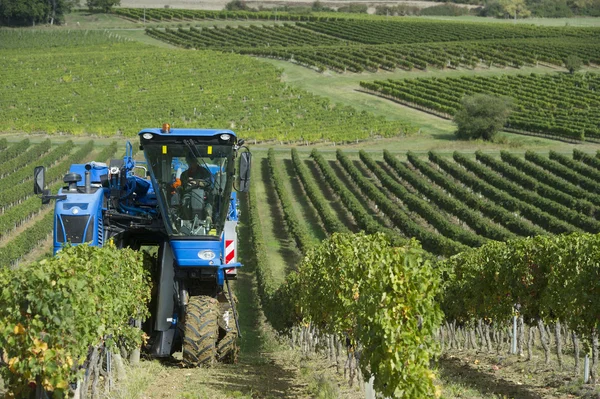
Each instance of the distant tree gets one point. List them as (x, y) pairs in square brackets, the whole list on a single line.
[(103, 5), (573, 63), (589, 8), (515, 8), (446, 9), (236, 5), (320, 7), (400, 9), (549, 8), (581, 4), (354, 8), (31, 12), (492, 8), (481, 116)]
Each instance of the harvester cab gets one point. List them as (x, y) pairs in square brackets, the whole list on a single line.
[(182, 201)]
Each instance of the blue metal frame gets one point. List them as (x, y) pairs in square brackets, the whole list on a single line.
[(186, 251), (187, 132)]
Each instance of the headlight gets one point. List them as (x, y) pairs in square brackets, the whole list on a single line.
[(206, 255), (147, 136), (225, 137)]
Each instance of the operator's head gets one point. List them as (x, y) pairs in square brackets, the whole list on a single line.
[(191, 160)]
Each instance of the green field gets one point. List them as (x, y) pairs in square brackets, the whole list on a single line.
[(575, 21), (377, 165), (560, 105), (412, 45), (110, 88), (505, 194)]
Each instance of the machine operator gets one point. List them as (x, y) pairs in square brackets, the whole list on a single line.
[(196, 193)]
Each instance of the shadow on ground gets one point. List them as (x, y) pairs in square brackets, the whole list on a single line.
[(453, 369)]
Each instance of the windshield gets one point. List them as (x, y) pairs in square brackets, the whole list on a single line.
[(192, 182)]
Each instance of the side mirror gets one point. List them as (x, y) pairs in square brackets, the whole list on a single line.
[(39, 180), (245, 164)]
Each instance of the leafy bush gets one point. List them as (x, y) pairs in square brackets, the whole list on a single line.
[(447, 9), (400, 9), (550, 9), (317, 6), (384, 298), (237, 5), (354, 8), (54, 310), (102, 5), (550, 277), (492, 8), (31, 12), (481, 116)]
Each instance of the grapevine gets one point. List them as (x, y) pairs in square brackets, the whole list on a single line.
[(350, 284), (534, 214), (295, 227), (549, 178), (422, 207), (109, 89), (553, 104), (432, 242), (46, 336), (21, 159), (330, 221), (474, 219), (363, 219), (495, 212), (535, 201), (530, 183)]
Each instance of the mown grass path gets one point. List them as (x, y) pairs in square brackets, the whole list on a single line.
[(282, 251)]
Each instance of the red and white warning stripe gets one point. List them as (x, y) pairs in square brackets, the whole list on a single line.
[(229, 253)]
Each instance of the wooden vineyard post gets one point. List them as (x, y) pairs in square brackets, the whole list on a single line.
[(513, 349)]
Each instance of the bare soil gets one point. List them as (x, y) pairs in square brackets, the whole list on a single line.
[(474, 375)]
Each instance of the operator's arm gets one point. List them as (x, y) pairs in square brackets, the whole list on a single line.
[(177, 182)]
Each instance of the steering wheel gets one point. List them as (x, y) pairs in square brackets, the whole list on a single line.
[(198, 182)]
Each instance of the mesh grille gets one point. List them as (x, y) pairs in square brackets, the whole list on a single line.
[(74, 227)]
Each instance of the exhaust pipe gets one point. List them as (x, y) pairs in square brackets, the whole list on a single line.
[(88, 177), (88, 182)]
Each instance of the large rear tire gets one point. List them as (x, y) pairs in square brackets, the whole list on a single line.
[(200, 331)]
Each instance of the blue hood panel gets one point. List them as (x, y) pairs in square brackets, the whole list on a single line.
[(187, 252)]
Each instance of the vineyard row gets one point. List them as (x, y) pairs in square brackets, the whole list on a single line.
[(298, 44), (460, 203), (112, 90), (543, 281), (555, 104)]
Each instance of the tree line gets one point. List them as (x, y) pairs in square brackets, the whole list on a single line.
[(501, 8), (34, 12)]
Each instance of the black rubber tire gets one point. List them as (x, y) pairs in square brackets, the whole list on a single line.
[(200, 332)]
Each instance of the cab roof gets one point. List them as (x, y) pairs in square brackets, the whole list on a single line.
[(181, 132)]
